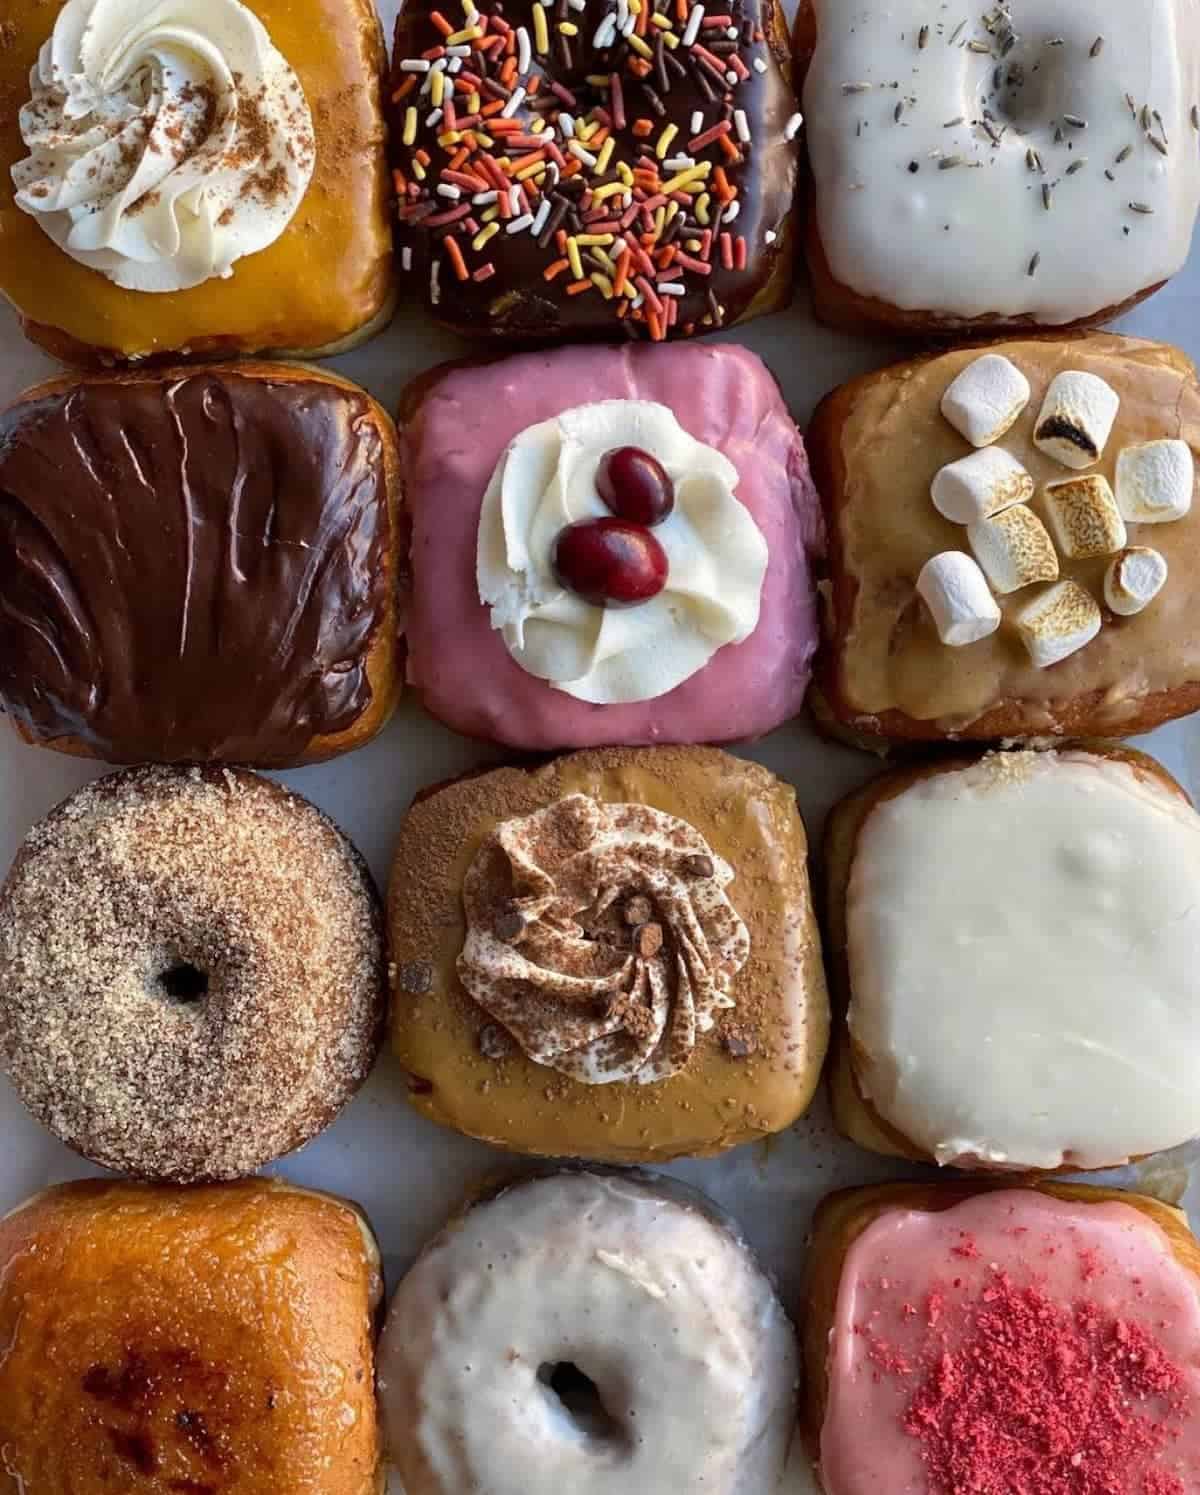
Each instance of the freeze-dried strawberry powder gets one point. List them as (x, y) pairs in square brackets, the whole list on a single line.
[(1043, 1398)]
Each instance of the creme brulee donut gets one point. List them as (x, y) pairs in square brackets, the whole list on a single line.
[(191, 972), (984, 168), (593, 1334)]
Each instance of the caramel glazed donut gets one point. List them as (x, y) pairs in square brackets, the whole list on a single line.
[(191, 972), (592, 1334)]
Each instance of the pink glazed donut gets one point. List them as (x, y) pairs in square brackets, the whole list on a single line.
[(502, 456)]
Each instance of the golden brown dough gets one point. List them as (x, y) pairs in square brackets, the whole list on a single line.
[(214, 1341)]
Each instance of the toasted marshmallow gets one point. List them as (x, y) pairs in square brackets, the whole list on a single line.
[(1134, 580), (1155, 481), (1076, 419), (956, 593), (1058, 622), (1014, 548), (986, 398), (1084, 517), (978, 486)]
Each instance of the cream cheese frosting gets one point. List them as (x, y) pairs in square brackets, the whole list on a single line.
[(691, 1357), (166, 140), (1022, 938), (1066, 122), (717, 556), (600, 936)]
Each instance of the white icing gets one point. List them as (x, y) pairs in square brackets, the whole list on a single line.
[(166, 140), (1022, 945), (717, 555), (960, 241), (692, 1355)]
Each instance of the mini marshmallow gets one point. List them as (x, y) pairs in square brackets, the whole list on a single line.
[(956, 593), (978, 486), (1155, 481), (1134, 580), (1076, 419), (986, 398), (1014, 548), (1084, 517), (1058, 622)]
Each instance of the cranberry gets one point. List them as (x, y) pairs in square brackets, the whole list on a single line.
[(635, 485), (610, 562)]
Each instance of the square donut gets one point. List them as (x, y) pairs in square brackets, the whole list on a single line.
[(199, 565), (228, 195), (999, 1339), (1057, 478), (1011, 948), (613, 956), (607, 170), (179, 1341), (501, 458), (996, 170)]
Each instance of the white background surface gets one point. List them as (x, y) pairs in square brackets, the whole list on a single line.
[(407, 1173)]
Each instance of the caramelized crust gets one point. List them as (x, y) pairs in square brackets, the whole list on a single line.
[(211, 1341), (853, 1114), (324, 284), (842, 1217), (742, 1081)]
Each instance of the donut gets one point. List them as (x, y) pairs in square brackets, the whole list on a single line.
[(959, 1337), (1011, 941), (613, 956), (1044, 470), (587, 1333), (191, 972), (1015, 168), (171, 608), (238, 206), (569, 170), (189, 1341), (722, 649)]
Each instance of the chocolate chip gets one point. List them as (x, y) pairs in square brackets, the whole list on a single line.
[(737, 1046), (638, 910), (698, 865), (415, 976), (510, 926), (495, 1042), (648, 940)]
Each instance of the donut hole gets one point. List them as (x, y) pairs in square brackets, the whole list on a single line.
[(1025, 91), (183, 982), (580, 1402)]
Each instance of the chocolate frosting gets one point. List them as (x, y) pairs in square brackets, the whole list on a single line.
[(192, 567)]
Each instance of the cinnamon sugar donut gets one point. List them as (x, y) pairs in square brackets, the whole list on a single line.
[(191, 972)]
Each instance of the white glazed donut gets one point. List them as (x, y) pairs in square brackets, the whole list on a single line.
[(1033, 160), (691, 1360)]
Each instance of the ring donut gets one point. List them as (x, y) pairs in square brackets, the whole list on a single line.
[(593, 1334)]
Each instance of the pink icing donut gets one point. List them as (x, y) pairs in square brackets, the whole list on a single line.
[(723, 396)]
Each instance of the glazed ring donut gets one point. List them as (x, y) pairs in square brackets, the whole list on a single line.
[(593, 1334), (191, 972)]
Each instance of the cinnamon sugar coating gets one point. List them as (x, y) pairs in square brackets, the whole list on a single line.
[(191, 972)]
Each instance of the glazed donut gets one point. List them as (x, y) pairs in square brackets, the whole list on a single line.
[(191, 972), (593, 1334), (1026, 166)]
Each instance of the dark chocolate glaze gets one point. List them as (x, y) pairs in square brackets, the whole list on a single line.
[(517, 302), (192, 567)]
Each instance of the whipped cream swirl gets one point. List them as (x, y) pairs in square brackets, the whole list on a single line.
[(600, 936), (166, 140), (546, 480)]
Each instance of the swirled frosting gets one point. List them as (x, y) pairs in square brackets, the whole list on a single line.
[(165, 140), (601, 938), (545, 480)]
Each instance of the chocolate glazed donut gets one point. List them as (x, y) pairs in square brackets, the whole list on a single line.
[(594, 170), (197, 566)]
